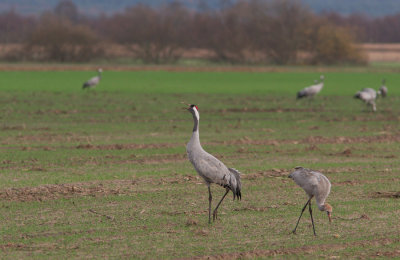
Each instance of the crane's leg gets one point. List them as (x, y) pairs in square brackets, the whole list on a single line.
[(215, 212), (373, 106), (304, 208), (209, 204), (312, 220)]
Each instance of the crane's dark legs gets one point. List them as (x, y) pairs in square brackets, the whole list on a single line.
[(304, 208), (215, 212), (209, 204), (312, 220)]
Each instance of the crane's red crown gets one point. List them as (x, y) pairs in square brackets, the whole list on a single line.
[(192, 106)]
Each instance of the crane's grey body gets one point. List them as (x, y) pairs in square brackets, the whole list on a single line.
[(91, 83), (315, 184), (368, 95), (210, 168), (311, 90)]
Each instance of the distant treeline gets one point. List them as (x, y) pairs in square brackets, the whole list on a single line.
[(253, 31)]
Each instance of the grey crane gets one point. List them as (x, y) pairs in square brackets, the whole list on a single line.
[(91, 83), (312, 90), (368, 95), (315, 184), (383, 89), (210, 168)]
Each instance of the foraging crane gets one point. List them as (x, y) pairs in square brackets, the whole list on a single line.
[(210, 168), (315, 184), (312, 90), (383, 89), (91, 83), (368, 95)]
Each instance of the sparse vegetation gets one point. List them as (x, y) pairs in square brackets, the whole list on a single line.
[(104, 174)]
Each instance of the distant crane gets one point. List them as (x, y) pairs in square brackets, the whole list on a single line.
[(383, 89), (315, 184), (210, 168), (368, 95), (312, 90), (91, 83)]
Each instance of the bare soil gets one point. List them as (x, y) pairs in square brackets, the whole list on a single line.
[(301, 250), (386, 194)]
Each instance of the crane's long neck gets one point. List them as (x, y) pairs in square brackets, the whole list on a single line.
[(195, 124), (99, 74), (195, 136)]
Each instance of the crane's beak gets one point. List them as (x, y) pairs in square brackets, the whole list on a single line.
[(329, 216), (185, 104)]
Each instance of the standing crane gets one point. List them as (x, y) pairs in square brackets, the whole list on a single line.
[(368, 95), (383, 89), (91, 83), (210, 168), (312, 90), (315, 184)]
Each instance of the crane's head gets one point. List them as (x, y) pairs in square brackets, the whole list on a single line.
[(192, 109), (357, 95), (100, 70), (328, 209)]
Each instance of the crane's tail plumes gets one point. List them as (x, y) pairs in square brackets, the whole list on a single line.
[(301, 94), (236, 187)]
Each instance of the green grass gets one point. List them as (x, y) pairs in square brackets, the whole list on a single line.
[(103, 173)]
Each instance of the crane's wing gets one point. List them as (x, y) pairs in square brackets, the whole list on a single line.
[(91, 82), (212, 169)]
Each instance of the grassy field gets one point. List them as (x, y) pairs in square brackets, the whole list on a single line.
[(104, 173)]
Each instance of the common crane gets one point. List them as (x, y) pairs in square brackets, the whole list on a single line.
[(315, 184), (210, 168), (91, 83), (383, 89), (312, 90), (368, 95)]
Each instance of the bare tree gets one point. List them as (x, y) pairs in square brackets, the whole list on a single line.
[(153, 35), (67, 9), (58, 40), (14, 27), (241, 31), (287, 26), (334, 45)]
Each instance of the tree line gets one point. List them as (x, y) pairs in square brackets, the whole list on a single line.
[(248, 31)]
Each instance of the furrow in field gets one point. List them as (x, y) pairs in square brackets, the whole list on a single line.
[(301, 250), (312, 140)]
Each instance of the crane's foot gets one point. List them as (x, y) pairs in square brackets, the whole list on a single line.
[(293, 232), (215, 215)]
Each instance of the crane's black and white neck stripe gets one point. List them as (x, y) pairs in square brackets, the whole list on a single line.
[(196, 117)]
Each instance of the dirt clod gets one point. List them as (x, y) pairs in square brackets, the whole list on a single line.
[(191, 222), (386, 194)]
